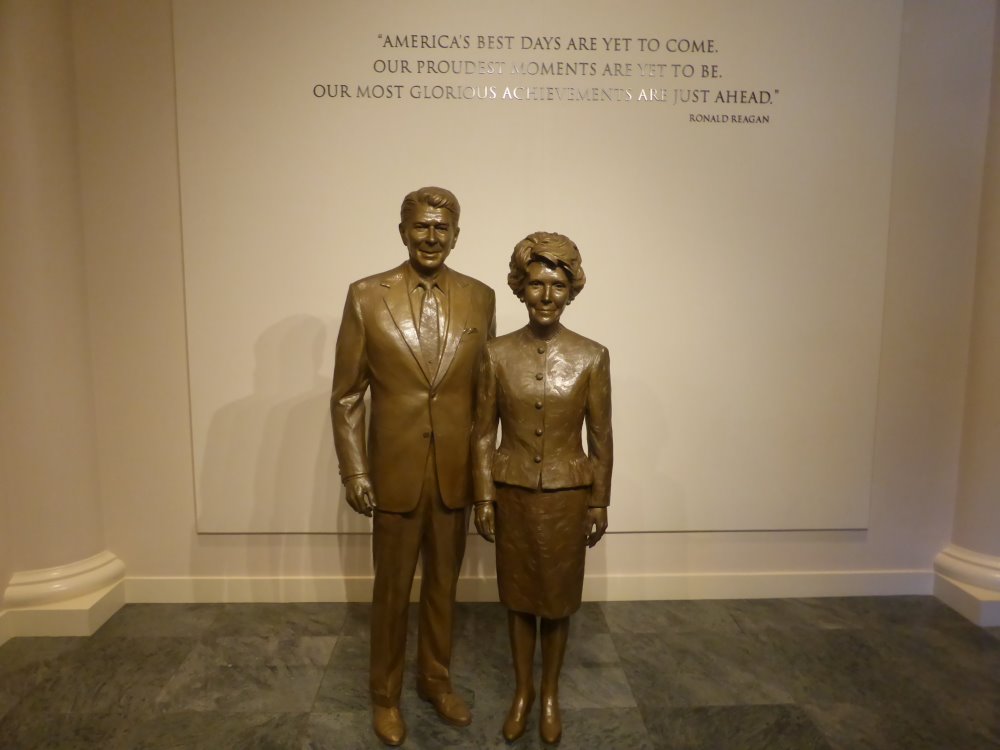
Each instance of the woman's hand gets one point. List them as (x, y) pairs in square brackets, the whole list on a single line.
[(597, 524), (484, 521)]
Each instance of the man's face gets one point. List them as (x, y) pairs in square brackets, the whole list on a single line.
[(546, 292), (429, 234)]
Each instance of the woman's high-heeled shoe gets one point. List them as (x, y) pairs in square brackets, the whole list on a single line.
[(550, 722), (517, 716)]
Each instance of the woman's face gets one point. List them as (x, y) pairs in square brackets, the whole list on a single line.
[(546, 292)]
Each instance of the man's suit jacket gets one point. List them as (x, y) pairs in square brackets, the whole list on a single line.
[(378, 347), (542, 392)]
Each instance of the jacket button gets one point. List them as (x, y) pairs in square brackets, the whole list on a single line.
[(427, 434), (538, 404), (538, 459), (541, 350), (538, 376), (538, 431)]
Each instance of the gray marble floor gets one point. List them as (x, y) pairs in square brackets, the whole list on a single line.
[(825, 674)]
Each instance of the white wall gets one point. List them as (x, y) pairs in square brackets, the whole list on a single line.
[(977, 517), (128, 163), (6, 563), (48, 455), (719, 256)]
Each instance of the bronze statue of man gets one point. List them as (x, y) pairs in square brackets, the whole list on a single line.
[(414, 336)]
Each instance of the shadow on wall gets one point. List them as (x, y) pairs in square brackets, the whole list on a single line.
[(268, 464)]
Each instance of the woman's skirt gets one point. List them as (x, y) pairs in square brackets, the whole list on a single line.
[(541, 539)]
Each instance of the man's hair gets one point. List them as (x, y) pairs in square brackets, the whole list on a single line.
[(435, 197), (552, 249)]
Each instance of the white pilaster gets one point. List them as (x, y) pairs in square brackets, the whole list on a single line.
[(48, 439), (967, 572)]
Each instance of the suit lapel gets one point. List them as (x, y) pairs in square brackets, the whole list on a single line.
[(458, 313), (397, 299)]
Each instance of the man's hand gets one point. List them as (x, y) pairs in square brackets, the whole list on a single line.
[(597, 524), (360, 494), (484, 521)]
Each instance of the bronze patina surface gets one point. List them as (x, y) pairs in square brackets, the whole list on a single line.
[(413, 336), (539, 496)]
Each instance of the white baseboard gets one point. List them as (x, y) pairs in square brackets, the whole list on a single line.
[(757, 585), (596, 588), (210, 590), (83, 615)]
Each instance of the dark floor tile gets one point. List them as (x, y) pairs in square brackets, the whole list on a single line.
[(351, 652), (959, 667), (584, 729), (41, 730), (896, 725), (18, 653), (484, 649), (887, 673), (920, 683), (832, 666), (487, 684), (600, 728), (357, 619), (160, 621), (695, 669), (218, 731), (891, 611), (27, 662), (775, 727), (280, 620), (595, 687), (342, 690), (251, 651), (426, 731), (588, 619), (201, 685), (870, 726), (104, 676), (588, 650), (249, 675), (668, 616), (480, 622), (790, 614), (343, 729), (850, 726), (487, 670)]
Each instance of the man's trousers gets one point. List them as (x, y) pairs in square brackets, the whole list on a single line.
[(436, 534)]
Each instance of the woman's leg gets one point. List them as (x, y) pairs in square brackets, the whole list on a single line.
[(522, 645), (554, 636)]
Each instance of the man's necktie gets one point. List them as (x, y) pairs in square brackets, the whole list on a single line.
[(430, 337)]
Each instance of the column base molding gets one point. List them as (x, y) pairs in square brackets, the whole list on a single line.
[(66, 600), (969, 583), (32, 588), (79, 616)]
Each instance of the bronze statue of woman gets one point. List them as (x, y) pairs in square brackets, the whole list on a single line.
[(539, 496)]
